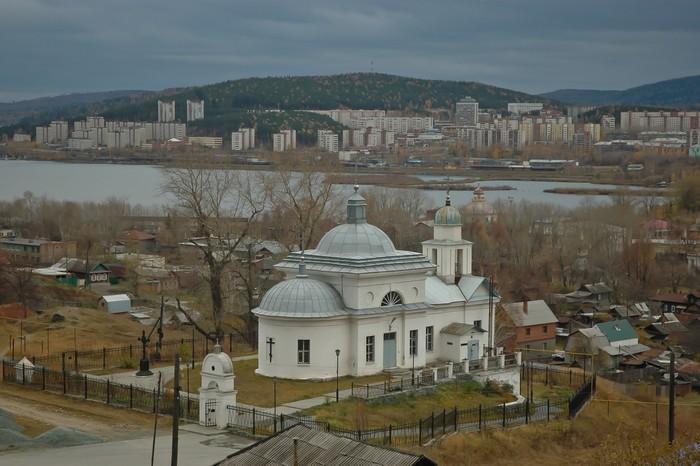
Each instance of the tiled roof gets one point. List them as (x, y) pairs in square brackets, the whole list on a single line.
[(318, 449)]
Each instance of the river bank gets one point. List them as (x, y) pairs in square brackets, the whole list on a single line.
[(207, 159)]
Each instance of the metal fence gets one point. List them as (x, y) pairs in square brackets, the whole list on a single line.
[(262, 422), (129, 355), (91, 388)]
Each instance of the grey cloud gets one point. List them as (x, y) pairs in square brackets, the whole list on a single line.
[(58, 46)]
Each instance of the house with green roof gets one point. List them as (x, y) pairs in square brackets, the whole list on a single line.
[(619, 332)]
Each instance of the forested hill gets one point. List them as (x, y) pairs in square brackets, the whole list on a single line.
[(674, 93), (357, 90), (229, 103)]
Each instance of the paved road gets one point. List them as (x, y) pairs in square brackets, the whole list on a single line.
[(194, 449)]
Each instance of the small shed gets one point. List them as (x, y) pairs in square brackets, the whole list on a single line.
[(25, 371), (116, 303)]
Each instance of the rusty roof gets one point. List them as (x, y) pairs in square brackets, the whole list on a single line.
[(317, 448)]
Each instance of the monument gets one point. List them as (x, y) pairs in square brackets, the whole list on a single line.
[(216, 391)]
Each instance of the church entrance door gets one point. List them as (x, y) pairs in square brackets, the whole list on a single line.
[(473, 350), (389, 350)]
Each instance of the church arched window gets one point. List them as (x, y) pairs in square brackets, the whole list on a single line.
[(392, 298)]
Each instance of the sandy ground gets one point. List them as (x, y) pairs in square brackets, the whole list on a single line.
[(96, 418)]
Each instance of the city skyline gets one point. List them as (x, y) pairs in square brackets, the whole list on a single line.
[(546, 46)]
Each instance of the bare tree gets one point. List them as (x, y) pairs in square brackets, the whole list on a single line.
[(223, 205), (305, 196)]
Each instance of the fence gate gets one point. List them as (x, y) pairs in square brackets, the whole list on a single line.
[(210, 413)]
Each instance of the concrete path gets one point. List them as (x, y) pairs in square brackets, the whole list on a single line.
[(194, 449)]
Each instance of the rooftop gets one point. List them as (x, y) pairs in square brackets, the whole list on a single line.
[(319, 448), (617, 330), (537, 313)]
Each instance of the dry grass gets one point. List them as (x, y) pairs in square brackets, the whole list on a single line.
[(258, 390), (32, 427), (360, 414), (627, 435), (88, 328)]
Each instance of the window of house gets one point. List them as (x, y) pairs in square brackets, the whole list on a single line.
[(527, 331), (303, 351), (413, 342), (477, 324), (429, 338), (369, 348), (544, 329)]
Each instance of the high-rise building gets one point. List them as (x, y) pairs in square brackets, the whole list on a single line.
[(518, 108), (195, 110), (328, 140), (278, 144), (290, 138), (607, 122), (243, 139), (466, 112), (166, 111)]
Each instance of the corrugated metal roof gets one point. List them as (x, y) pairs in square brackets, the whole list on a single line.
[(316, 448), (439, 292), (617, 330), (115, 298), (538, 313)]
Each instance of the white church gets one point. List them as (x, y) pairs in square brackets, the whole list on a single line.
[(358, 302)]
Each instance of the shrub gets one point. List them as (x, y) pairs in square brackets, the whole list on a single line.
[(128, 363)]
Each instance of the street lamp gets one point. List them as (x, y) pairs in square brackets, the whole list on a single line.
[(337, 375)]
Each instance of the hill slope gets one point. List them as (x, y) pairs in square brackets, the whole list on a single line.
[(679, 93), (231, 103), (12, 112)]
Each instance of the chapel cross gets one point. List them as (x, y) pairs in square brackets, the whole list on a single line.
[(270, 342)]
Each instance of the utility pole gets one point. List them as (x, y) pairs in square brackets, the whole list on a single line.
[(176, 411), (672, 400)]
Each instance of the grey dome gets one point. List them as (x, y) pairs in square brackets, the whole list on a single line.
[(355, 240), (301, 297)]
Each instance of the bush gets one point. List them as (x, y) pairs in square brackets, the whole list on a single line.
[(128, 363)]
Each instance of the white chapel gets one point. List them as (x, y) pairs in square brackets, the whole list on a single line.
[(382, 308)]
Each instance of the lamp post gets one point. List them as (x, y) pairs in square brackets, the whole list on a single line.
[(337, 375)]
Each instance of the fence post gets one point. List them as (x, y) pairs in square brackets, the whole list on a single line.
[(368, 391), (281, 421), (131, 396), (432, 424), (253, 421), (389, 434), (504, 414), (527, 411), (63, 361), (43, 377), (230, 342), (85, 387), (64, 382), (569, 408), (547, 409), (131, 353), (444, 412), (107, 391), (480, 417), (352, 388), (401, 383), (420, 431), (359, 435), (455, 419), (546, 375), (154, 400), (569, 377), (76, 361), (385, 383), (104, 358), (22, 374)]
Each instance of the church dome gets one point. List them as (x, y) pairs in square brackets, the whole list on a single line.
[(301, 297), (448, 215), (356, 238), (479, 206)]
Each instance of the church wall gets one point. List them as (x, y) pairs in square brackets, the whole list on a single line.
[(367, 291), (325, 336)]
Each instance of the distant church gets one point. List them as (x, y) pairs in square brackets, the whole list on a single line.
[(382, 308)]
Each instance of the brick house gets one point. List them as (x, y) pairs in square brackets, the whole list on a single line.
[(535, 326)]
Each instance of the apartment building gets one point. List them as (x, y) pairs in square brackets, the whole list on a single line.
[(467, 112), (659, 121), (207, 141), (166, 111), (195, 110), (243, 139), (37, 251), (328, 140), (518, 108)]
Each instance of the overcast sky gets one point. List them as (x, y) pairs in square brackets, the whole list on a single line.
[(58, 46)]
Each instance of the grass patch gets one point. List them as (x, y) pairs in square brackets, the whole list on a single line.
[(626, 433), (258, 390), (360, 414)]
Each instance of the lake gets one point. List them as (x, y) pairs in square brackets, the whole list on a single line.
[(140, 184)]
